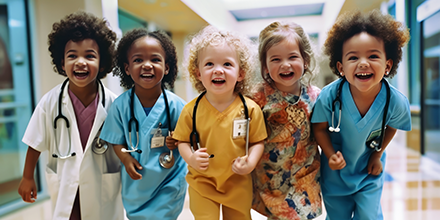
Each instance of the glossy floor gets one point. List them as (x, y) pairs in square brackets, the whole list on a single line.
[(411, 190)]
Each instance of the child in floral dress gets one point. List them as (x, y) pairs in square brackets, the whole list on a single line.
[(286, 180)]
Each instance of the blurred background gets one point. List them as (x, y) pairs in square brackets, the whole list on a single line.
[(412, 188)]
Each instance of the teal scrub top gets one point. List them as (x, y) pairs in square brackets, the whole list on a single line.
[(352, 138), (161, 192)]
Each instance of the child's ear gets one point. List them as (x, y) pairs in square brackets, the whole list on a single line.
[(266, 70), (126, 68), (241, 75), (62, 65), (340, 69), (389, 65), (167, 69), (198, 74)]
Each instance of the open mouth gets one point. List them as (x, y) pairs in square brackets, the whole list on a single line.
[(147, 75), (364, 75), (81, 74), (218, 81), (286, 75)]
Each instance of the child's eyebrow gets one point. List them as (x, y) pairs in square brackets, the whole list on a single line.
[(92, 51)]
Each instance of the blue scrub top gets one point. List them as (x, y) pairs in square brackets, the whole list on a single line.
[(355, 130), (161, 192)]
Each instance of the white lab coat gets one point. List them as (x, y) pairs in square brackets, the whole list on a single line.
[(97, 176)]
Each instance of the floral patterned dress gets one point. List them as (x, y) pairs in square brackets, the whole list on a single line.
[(286, 180)]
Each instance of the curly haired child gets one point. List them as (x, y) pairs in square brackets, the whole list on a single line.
[(82, 184), (362, 110), (220, 65), (138, 122), (286, 178)]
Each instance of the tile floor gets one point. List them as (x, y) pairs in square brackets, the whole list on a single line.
[(411, 192)]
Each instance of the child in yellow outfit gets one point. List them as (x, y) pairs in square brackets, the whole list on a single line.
[(219, 65)]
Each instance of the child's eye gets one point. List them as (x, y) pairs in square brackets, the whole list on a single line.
[(374, 56), (71, 56), (227, 64), (293, 57), (352, 58), (90, 56), (156, 60), (209, 64), (275, 60), (137, 60)]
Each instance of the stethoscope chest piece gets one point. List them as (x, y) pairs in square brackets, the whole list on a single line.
[(166, 159), (99, 146)]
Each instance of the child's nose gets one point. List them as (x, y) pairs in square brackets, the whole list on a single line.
[(218, 70), (363, 64), (285, 64), (147, 65), (80, 63)]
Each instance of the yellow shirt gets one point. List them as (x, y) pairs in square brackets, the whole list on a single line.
[(215, 129)]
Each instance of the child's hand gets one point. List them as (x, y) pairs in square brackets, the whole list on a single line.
[(374, 164), (131, 165), (28, 190), (336, 161), (171, 142), (241, 166), (199, 159)]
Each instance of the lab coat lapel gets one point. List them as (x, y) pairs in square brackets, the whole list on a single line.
[(70, 114), (101, 114)]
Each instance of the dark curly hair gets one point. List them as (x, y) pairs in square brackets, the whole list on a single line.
[(125, 44), (77, 27), (394, 35)]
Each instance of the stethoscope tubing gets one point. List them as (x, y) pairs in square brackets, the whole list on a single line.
[(136, 122), (62, 117), (377, 146), (194, 135)]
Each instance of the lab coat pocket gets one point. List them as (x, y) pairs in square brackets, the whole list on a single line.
[(111, 186), (53, 184)]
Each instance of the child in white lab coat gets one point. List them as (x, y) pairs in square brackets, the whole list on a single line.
[(84, 181)]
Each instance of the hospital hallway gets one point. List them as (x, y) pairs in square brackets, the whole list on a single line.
[(411, 190)]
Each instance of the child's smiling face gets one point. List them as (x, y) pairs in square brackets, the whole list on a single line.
[(81, 63), (285, 65), (146, 63), (219, 69), (364, 63)]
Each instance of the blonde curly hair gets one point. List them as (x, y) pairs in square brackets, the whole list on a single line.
[(211, 35)]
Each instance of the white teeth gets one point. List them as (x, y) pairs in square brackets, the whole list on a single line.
[(146, 75), (81, 72), (363, 74), (218, 80), (285, 74)]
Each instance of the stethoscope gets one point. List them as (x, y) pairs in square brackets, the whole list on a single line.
[(98, 146), (166, 159), (374, 144), (194, 136)]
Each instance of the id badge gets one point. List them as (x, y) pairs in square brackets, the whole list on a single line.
[(239, 126), (158, 139)]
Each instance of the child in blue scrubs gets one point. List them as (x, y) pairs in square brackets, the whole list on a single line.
[(140, 119), (363, 49)]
